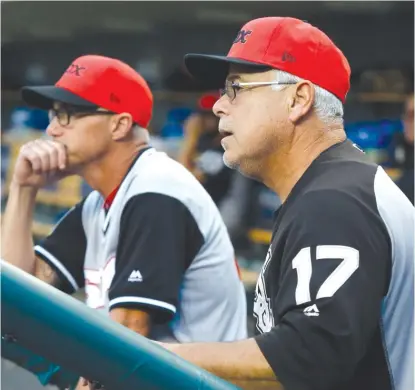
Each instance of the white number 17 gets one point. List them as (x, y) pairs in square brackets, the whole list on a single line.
[(302, 263)]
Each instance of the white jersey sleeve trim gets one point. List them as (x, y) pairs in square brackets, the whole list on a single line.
[(147, 301), (58, 265)]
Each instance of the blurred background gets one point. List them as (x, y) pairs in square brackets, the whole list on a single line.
[(40, 39)]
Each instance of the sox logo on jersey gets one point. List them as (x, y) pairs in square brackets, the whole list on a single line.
[(262, 304), (97, 284)]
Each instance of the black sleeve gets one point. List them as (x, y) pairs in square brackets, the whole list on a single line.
[(158, 240), (334, 274), (64, 250)]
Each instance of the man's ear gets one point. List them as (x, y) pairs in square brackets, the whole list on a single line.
[(121, 126), (301, 102)]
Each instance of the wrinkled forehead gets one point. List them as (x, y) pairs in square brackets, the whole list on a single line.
[(245, 73)]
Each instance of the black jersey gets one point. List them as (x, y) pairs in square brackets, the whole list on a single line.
[(335, 299)]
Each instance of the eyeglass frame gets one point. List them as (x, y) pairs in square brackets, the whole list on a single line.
[(75, 112), (236, 86)]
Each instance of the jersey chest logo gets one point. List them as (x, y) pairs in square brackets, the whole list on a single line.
[(262, 304), (97, 284)]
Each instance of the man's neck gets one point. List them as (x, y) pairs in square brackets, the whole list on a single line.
[(285, 169), (106, 174)]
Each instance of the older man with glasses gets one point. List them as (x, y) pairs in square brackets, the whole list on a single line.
[(334, 303)]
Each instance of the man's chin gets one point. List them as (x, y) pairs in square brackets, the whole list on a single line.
[(230, 162), (233, 163)]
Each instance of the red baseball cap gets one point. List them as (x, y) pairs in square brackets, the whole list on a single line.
[(283, 43), (97, 81)]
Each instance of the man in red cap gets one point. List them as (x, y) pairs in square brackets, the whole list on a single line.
[(148, 244), (334, 302)]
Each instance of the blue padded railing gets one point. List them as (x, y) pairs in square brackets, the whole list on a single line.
[(45, 322)]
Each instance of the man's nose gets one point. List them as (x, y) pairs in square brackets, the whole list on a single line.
[(220, 107), (54, 129)]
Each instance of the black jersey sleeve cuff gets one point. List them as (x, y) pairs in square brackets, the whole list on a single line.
[(67, 283), (160, 311), (275, 358)]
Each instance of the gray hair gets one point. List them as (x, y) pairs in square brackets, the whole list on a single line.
[(141, 133), (327, 107)]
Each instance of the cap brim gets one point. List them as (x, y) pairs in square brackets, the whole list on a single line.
[(211, 70), (44, 97)]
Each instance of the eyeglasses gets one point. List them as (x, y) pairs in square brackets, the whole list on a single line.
[(232, 87), (64, 115)]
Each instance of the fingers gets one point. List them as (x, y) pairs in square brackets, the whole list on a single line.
[(57, 152), (82, 384), (45, 156), (63, 156), (92, 385)]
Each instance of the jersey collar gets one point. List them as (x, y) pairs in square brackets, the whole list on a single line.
[(110, 198)]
